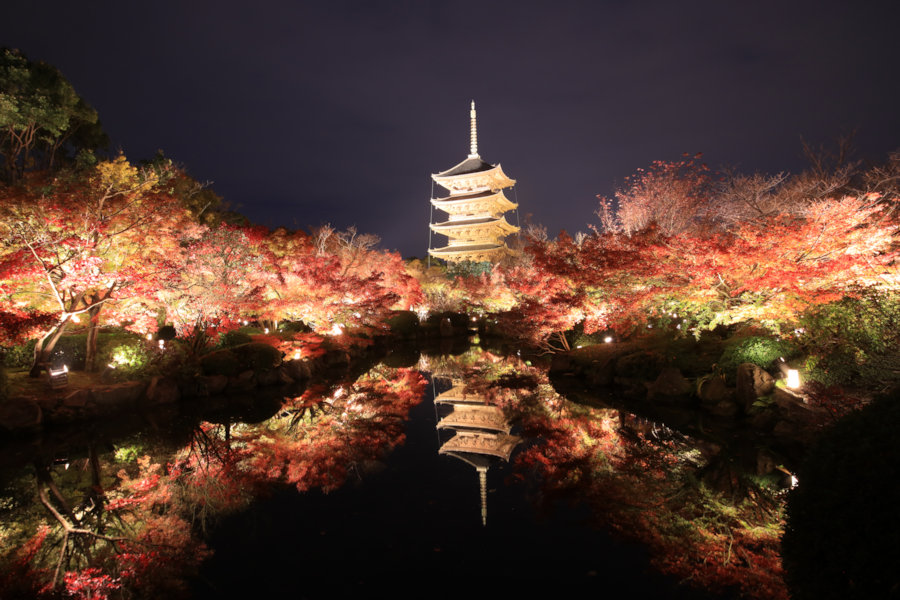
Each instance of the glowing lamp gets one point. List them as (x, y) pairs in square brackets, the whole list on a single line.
[(793, 379), (149, 336), (337, 329), (59, 378), (298, 354), (162, 344), (266, 330), (607, 339)]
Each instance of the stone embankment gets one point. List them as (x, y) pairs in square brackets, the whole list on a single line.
[(753, 409), (34, 411)]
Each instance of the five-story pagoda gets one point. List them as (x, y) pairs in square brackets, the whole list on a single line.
[(475, 228)]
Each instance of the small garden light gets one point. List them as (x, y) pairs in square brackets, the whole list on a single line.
[(59, 377), (608, 339), (793, 379)]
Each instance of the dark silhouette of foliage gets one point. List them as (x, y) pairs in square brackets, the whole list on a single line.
[(44, 123), (840, 540)]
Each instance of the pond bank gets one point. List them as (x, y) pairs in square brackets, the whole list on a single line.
[(87, 398), (755, 411)]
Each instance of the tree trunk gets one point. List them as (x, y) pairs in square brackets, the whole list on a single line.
[(90, 354), (563, 341), (44, 347)]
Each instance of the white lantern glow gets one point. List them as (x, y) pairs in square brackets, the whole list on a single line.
[(793, 379)]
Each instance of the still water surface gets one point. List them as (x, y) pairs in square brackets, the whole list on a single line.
[(401, 517), (415, 526)]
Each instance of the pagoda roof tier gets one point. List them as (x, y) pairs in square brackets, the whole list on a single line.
[(473, 164), (472, 252), (475, 416), (460, 178), (500, 445), (459, 394), (492, 202), (476, 226)]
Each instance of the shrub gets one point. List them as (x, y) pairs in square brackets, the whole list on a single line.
[(842, 520), (229, 339), (257, 356), (69, 350), (20, 357), (854, 339), (761, 351), (129, 359), (404, 323), (468, 268), (220, 362)]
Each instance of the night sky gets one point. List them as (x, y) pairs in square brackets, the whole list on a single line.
[(302, 113)]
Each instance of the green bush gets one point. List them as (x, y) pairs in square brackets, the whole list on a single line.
[(130, 359), (840, 538), (229, 339), (468, 268), (257, 356), (836, 367), (220, 362), (854, 339), (404, 323), (70, 350), (20, 357), (761, 351)]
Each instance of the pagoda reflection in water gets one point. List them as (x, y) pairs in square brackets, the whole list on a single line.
[(480, 432)]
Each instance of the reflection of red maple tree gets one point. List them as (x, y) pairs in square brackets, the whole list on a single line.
[(641, 481), (140, 537)]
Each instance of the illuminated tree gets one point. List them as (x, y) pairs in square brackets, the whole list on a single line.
[(76, 244), (217, 277), (672, 196)]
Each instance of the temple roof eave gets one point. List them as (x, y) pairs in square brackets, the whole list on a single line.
[(477, 253), (500, 224), (493, 179)]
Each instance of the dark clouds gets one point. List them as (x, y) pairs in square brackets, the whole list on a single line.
[(305, 113)]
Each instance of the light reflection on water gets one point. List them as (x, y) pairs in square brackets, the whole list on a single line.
[(397, 508)]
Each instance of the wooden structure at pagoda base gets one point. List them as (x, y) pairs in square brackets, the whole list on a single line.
[(480, 433), (476, 227)]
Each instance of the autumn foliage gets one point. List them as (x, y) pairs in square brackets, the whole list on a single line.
[(672, 243)]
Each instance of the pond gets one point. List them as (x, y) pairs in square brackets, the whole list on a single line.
[(460, 473)]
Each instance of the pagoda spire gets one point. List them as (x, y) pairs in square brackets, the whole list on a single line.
[(473, 143)]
